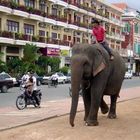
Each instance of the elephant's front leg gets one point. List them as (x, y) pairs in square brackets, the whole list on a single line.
[(93, 113), (87, 102), (97, 89)]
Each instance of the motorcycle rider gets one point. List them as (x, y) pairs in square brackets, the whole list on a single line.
[(54, 80), (34, 88), (25, 77)]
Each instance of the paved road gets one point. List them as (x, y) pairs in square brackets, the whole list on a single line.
[(126, 127), (52, 94)]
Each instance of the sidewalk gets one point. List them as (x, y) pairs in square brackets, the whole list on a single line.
[(11, 117)]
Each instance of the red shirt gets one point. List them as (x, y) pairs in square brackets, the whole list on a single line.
[(99, 33)]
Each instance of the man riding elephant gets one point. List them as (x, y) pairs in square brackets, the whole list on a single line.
[(92, 69)]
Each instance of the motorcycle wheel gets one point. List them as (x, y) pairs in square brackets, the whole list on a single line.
[(21, 103)]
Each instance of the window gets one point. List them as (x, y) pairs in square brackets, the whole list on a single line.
[(54, 35), (127, 28), (136, 28), (29, 3), (42, 5), (12, 26), (78, 19), (29, 29), (69, 38), (54, 11), (14, 50), (16, 1), (41, 33)]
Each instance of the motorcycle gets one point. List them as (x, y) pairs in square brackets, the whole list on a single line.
[(25, 99), (52, 83)]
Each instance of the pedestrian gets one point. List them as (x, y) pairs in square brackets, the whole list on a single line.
[(98, 33)]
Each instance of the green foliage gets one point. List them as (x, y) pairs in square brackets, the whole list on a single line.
[(31, 61), (30, 58), (54, 62), (3, 67), (30, 53), (64, 70), (14, 66)]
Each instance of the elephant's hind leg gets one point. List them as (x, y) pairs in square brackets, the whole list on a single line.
[(112, 111), (104, 106)]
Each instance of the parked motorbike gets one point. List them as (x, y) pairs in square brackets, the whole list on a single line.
[(25, 99)]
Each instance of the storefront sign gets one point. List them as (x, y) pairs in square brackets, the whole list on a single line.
[(50, 51), (64, 52)]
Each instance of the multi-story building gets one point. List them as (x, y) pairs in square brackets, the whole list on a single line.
[(131, 44), (55, 25)]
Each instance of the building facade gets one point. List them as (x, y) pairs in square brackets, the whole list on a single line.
[(131, 44), (55, 25)]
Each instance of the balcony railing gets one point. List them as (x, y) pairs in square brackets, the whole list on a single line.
[(59, 18), (32, 38)]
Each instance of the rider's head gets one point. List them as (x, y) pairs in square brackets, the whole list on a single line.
[(95, 22)]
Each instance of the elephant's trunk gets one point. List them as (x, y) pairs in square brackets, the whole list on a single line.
[(75, 85)]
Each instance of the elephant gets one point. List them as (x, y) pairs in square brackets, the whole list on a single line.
[(94, 72)]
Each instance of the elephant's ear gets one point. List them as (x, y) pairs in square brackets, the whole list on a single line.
[(99, 63)]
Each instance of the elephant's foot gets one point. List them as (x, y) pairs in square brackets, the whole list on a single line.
[(92, 123), (104, 110), (112, 116)]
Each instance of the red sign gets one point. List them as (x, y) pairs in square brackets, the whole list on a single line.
[(53, 51), (50, 51)]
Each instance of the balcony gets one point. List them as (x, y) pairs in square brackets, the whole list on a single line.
[(49, 20), (5, 9), (21, 39), (62, 3), (53, 1), (20, 13), (63, 24), (73, 5), (36, 17)]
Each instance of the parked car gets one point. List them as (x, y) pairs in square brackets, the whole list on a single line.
[(45, 79), (60, 76), (128, 75), (5, 84), (68, 78), (6, 76)]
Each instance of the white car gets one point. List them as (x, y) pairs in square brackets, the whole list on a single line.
[(60, 76), (128, 75)]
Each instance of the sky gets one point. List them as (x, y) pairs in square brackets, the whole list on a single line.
[(131, 3)]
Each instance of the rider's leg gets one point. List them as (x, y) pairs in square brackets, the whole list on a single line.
[(105, 45), (35, 97)]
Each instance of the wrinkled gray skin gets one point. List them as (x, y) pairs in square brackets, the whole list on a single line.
[(92, 68)]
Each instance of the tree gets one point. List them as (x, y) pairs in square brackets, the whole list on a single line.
[(43, 64), (54, 62), (64, 70), (14, 66), (30, 58)]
